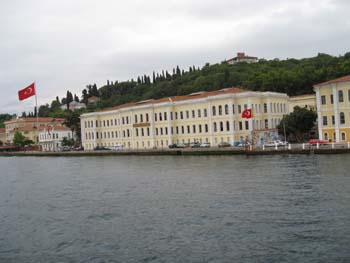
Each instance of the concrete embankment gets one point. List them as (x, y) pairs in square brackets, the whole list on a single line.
[(209, 151)]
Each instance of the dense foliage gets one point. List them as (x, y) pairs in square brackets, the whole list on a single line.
[(298, 124)]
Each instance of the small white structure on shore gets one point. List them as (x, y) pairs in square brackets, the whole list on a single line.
[(51, 137)]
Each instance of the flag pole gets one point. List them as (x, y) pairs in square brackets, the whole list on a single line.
[(37, 112)]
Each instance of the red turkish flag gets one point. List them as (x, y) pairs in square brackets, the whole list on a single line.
[(247, 114), (27, 92)]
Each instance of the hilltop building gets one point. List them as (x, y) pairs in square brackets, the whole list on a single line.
[(242, 57), (74, 105), (213, 117), (93, 100), (333, 109), (29, 127)]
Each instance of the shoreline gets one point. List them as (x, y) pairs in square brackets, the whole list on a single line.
[(178, 152)]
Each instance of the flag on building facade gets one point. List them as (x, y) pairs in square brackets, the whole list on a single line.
[(247, 114), (27, 92)]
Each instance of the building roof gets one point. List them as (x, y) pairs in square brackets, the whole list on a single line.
[(341, 79), (41, 119), (305, 96), (26, 128), (54, 128), (242, 55), (196, 95)]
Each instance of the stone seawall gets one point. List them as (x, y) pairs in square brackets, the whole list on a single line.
[(210, 151)]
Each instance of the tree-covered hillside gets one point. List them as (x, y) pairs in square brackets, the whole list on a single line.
[(291, 76)]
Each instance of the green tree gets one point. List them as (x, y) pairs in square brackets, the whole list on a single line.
[(298, 124), (19, 139), (67, 142)]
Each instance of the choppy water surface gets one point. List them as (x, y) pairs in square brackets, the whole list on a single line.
[(175, 209)]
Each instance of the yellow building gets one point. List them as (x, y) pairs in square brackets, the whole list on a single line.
[(333, 109), (303, 101), (28, 127), (212, 117)]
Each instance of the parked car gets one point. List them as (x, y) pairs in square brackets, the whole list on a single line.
[(181, 145), (101, 148), (205, 145), (172, 146), (317, 141), (224, 144), (195, 145), (276, 142)]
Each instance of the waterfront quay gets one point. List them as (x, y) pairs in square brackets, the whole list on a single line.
[(290, 149)]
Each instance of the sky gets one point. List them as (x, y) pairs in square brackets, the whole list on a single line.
[(67, 44)]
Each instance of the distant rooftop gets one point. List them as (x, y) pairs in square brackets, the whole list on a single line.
[(341, 79)]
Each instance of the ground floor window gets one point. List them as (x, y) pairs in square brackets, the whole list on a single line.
[(343, 136), (325, 135)]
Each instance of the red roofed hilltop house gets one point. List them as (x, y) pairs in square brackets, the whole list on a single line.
[(242, 57)]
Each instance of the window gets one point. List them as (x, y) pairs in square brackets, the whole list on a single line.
[(161, 131), (155, 117), (188, 129), (156, 131), (137, 132), (205, 113), (246, 125), (215, 127), (343, 137), (240, 125), (171, 115), (239, 109), (200, 128), (265, 107), (141, 118), (226, 109), (135, 118), (199, 113), (333, 120), (221, 126), (332, 99), (194, 128), (214, 111), (323, 100), (220, 110), (325, 135), (165, 116), (342, 118), (266, 123), (166, 130), (349, 94), (147, 131), (182, 129), (181, 115), (233, 108), (193, 114), (175, 115), (324, 120), (160, 116), (177, 129), (187, 114), (340, 96), (227, 126), (206, 127)]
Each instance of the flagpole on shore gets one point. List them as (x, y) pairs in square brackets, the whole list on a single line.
[(37, 110)]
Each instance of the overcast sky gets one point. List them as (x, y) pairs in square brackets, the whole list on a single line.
[(66, 44)]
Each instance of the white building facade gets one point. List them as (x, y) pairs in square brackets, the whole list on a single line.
[(50, 138)]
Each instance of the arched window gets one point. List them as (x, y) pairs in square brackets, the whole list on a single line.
[(220, 110), (325, 135), (342, 118), (221, 126), (215, 127), (226, 109), (340, 96), (214, 111), (343, 136), (227, 126)]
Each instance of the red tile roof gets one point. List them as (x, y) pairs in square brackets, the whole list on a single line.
[(195, 95), (41, 119), (55, 128), (341, 79)]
